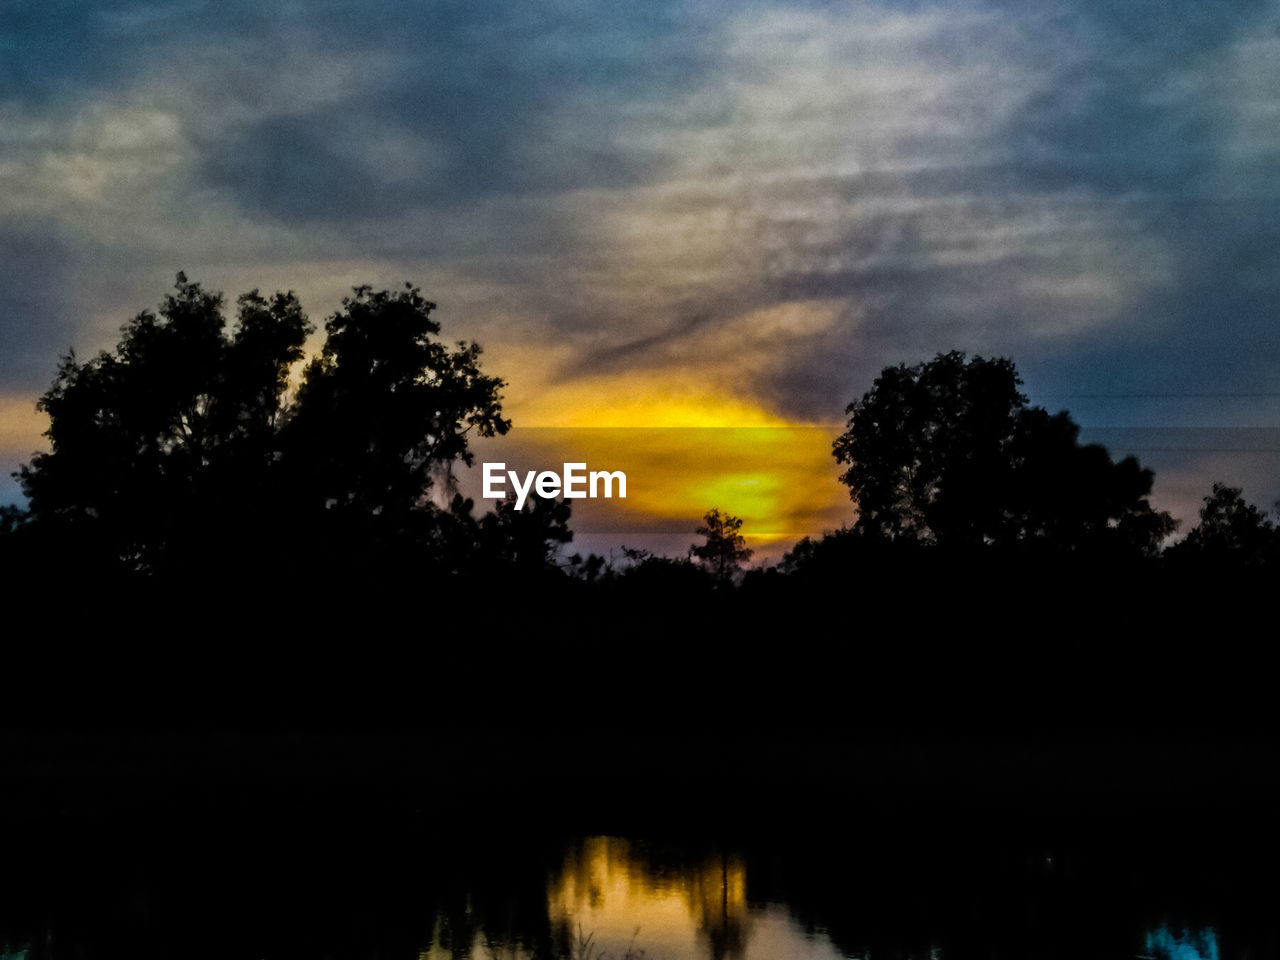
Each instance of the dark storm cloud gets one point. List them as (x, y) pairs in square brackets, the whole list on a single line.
[(945, 279), (57, 54), (623, 356), (1132, 123), (50, 49), (1214, 330), (1125, 150), (301, 168), (469, 94), (1124, 116), (470, 99)]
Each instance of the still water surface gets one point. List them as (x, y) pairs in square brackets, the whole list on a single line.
[(610, 901), (863, 893), (613, 906)]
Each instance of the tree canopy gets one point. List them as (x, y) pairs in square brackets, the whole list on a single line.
[(1231, 532), (173, 433), (949, 452), (186, 443), (387, 407)]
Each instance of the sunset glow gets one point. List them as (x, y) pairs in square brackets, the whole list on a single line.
[(684, 450)]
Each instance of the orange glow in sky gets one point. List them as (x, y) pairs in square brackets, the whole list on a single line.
[(685, 449)]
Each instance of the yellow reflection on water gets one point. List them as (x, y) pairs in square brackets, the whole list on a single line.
[(610, 900), (606, 892)]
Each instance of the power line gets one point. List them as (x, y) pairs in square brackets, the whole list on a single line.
[(1161, 396), (1198, 449)]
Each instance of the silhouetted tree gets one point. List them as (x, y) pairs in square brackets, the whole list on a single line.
[(183, 448), (1231, 531), (164, 442), (381, 417), (387, 408), (948, 452), (725, 550)]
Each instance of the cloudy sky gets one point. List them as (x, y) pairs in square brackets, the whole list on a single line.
[(682, 214)]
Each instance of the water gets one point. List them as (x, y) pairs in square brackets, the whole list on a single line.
[(606, 902), (783, 851), (879, 891), (612, 898), (699, 911), (1185, 944)]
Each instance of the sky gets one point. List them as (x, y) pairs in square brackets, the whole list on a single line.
[(676, 215)]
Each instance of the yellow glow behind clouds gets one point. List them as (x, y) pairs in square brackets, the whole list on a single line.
[(21, 428), (685, 449)]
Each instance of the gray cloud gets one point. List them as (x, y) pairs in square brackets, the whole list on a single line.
[(37, 320), (1102, 246), (461, 102)]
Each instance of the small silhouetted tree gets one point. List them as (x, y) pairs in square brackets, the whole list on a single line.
[(1231, 531), (724, 551), (949, 452)]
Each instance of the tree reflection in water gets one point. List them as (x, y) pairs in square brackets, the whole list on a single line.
[(693, 910), (608, 901)]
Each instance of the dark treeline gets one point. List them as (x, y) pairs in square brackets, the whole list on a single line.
[(285, 534)]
